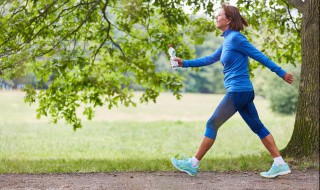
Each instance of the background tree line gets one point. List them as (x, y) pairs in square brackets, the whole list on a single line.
[(94, 66), (283, 98)]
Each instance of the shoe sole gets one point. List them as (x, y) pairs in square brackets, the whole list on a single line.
[(278, 174), (182, 169)]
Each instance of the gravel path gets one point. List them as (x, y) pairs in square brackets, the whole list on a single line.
[(307, 179)]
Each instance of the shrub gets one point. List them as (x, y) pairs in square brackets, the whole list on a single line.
[(282, 96)]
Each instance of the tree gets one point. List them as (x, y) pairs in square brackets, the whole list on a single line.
[(305, 138), (284, 28), (97, 49)]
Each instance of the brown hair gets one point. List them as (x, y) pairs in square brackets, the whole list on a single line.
[(232, 13)]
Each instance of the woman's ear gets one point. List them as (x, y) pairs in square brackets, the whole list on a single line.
[(229, 21)]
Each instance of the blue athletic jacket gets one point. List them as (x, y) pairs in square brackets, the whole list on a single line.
[(233, 54)]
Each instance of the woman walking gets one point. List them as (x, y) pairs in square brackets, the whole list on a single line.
[(233, 54)]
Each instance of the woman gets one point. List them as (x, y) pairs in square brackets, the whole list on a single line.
[(233, 54)]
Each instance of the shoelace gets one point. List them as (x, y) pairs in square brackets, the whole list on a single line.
[(272, 170), (185, 161)]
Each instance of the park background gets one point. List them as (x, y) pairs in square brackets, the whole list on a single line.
[(145, 137)]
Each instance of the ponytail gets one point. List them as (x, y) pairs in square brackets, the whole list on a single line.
[(244, 22), (233, 13)]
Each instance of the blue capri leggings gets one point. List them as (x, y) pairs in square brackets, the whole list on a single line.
[(230, 104)]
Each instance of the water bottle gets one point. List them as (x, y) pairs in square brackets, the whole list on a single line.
[(172, 54)]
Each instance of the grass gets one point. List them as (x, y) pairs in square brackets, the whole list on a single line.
[(133, 139)]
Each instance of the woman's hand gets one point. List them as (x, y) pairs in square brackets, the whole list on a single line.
[(180, 62), (288, 78)]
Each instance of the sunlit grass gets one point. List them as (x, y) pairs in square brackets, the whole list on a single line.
[(133, 139)]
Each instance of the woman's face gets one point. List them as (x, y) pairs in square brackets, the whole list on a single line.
[(222, 22)]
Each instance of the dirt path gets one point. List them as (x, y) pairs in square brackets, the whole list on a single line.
[(308, 179)]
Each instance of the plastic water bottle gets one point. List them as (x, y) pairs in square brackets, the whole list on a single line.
[(172, 54)]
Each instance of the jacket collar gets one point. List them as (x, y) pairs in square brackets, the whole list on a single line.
[(226, 32)]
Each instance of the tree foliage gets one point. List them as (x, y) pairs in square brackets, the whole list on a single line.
[(207, 79), (97, 49), (283, 98)]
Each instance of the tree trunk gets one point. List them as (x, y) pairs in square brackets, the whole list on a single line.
[(304, 142)]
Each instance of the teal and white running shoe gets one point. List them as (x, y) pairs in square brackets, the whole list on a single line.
[(276, 171), (185, 166)]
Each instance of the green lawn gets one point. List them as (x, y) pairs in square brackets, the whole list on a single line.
[(133, 139)]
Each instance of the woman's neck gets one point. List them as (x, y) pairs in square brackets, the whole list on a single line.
[(224, 29)]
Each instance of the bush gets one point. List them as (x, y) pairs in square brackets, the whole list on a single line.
[(283, 99), (282, 96)]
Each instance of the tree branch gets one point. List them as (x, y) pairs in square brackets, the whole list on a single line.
[(98, 49), (291, 18), (20, 46), (12, 65), (22, 8), (60, 15), (74, 43), (72, 33), (298, 4), (44, 12), (108, 32)]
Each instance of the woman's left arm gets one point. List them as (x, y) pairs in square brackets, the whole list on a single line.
[(245, 47)]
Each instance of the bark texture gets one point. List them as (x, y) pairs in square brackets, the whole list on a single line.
[(304, 142)]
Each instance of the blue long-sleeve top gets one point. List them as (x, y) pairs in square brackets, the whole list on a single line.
[(233, 54)]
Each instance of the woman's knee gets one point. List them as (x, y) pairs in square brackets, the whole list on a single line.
[(210, 133), (211, 129), (263, 132)]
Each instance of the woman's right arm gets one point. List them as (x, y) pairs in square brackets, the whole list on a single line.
[(201, 61)]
